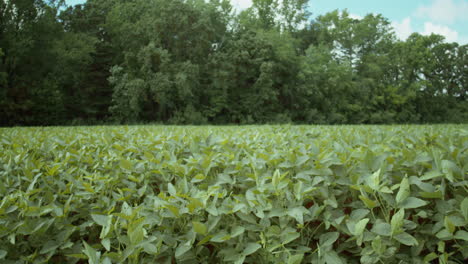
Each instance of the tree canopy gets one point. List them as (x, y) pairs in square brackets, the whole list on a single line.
[(197, 61)]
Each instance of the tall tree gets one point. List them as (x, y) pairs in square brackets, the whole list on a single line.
[(29, 31), (165, 47), (89, 93)]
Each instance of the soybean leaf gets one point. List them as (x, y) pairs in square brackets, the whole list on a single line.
[(383, 229), (331, 257), (328, 239), (397, 221), (430, 257), (237, 230), (93, 255), (221, 237), (106, 243), (102, 220), (172, 190), (431, 175), (360, 226), (200, 228), (406, 239), (126, 164), (182, 249), (464, 208), (404, 190), (290, 236), (368, 202), (251, 248), (462, 235), (295, 259), (449, 225), (412, 202), (49, 247)]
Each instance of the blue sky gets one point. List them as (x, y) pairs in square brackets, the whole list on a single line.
[(445, 17)]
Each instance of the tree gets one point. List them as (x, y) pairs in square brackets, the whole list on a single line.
[(28, 33), (166, 46), (198, 61), (87, 37)]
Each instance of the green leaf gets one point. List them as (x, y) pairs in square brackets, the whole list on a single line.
[(444, 234), (148, 155), (383, 229), (102, 220), (441, 246), (431, 175), (360, 226), (331, 257), (150, 247), (359, 214), (431, 195), (237, 230), (182, 249), (49, 246), (78, 256), (193, 205), (374, 180), (276, 178), (221, 237), (126, 165), (93, 255), (449, 225), (464, 208), (461, 235), (404, 190), (199, 228), (289, 237), (136, 231), (368, 202), (448, 168), (198, 178), (204, 240), (3, 254), (412, 202), (251, 248), (397, 221), (430, 257), (377, 245), (328, 239), (295, 259), (240, 259), (171, 189), (106, 243), (298, 213), (406, 239), (174, 210)]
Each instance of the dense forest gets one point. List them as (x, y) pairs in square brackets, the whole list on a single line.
[(197, 62)]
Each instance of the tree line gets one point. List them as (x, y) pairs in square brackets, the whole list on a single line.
[(197, 61)]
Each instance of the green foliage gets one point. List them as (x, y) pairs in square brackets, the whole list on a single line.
[(254, 194), (196, 62)]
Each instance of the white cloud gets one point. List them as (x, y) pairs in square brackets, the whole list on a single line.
[(449, 34), (444, 11), (354, 16), (403, 29), (241, 4)]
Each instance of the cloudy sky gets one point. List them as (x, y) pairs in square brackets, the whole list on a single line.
[(445, 17)]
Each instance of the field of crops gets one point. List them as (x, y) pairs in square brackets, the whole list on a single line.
[(253, 194)]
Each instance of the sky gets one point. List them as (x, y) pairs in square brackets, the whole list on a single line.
[(445, 17)]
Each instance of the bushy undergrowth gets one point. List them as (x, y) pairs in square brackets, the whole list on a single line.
[(255, 194)]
